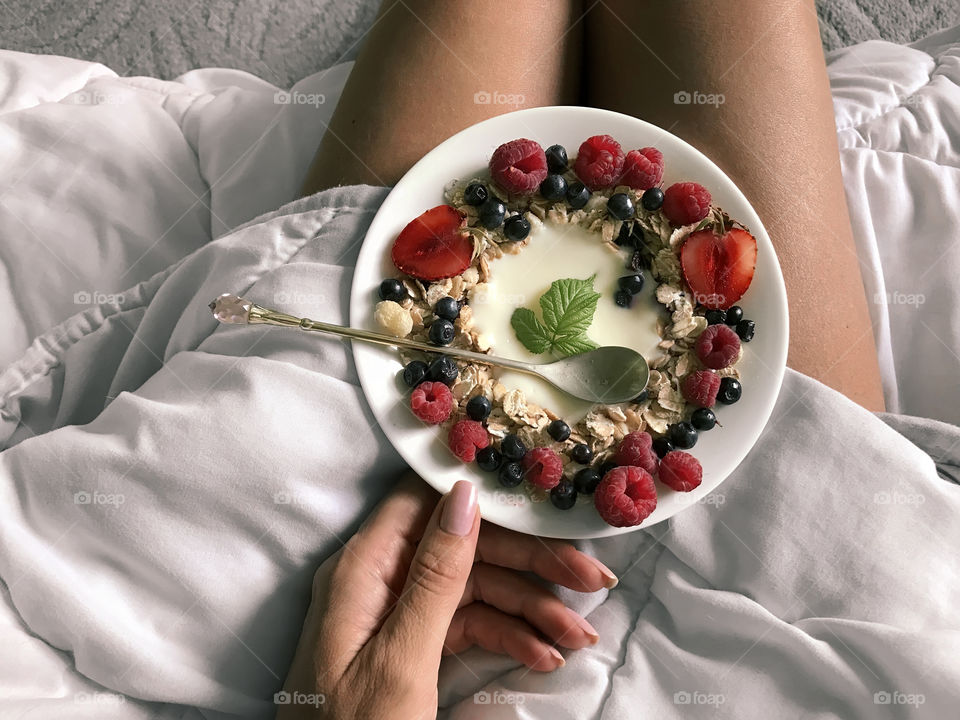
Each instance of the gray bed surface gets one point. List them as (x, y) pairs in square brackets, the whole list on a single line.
[(283, 41)]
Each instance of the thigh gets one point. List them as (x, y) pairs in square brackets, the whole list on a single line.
[(429, 68), (774, 135)]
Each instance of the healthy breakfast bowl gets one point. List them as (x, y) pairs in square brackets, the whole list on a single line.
[(498, 241)]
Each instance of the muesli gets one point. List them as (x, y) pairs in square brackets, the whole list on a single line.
[(701, 260)]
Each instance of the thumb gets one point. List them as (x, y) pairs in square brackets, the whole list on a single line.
[(436, 580)]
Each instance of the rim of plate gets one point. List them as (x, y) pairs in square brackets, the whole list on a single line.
[(424, 447)]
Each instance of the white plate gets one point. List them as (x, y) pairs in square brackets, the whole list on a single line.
[(466, 154)]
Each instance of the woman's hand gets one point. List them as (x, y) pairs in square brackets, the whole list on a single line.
[(421, 579)]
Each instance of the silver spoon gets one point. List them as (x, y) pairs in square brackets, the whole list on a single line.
[(606, 375)]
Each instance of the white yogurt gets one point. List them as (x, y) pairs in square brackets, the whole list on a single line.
[(555, 252)]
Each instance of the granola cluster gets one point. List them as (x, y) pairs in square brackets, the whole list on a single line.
[(654, 244)]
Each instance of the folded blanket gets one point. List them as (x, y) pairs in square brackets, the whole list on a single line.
[(148, 528)]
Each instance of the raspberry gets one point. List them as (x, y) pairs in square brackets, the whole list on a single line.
[(599, 162), (625, 496), (700, 387), (432, 402), (680, 471), (643, 168), (519, 166), (636, 449), (685, 203), (542, 467), (466, 437), (718, 346)]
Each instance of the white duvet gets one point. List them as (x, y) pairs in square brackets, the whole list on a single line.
[(156, 553)]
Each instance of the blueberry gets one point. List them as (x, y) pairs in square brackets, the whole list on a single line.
[(564, 495), (444, 370), (577, 195), (623, 298), (745, 329), (644, 394), (554, 188), (631, 283), (556, 158), (586, 480), (511, 474), (447, 308), (582, 453), (392, 289), (683, 435), (475, 194), (489, 458), (558, 430), (734, 315), (623, 237), (607, 467), (513, 448), (414, 373), (715, 317), (442, 332), (652, 199), (620, 206), (517, 227), (478, 408), (491, 213), (703, 419), (661, 446), (730, 391)]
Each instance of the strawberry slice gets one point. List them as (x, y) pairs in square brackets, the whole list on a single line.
[(719, 268), (433, 245)]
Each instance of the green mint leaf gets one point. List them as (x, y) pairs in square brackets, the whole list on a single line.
[(530, 331), (573, 344), (568, 306)]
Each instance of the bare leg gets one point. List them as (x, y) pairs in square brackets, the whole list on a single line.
[(424, 66), (774, 135)]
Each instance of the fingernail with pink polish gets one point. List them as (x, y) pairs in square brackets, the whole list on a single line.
[(459, 509), (584, 625), (607, 573), (558, 657)]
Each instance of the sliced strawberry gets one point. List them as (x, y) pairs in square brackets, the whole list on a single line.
[(719, 268), (433, 246)]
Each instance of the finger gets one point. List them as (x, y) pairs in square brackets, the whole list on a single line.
[(521, 596), (487, 627), (435, 582), (370, 570), (554, 560)]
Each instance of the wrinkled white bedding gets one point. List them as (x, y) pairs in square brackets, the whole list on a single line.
[(822, 578)]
